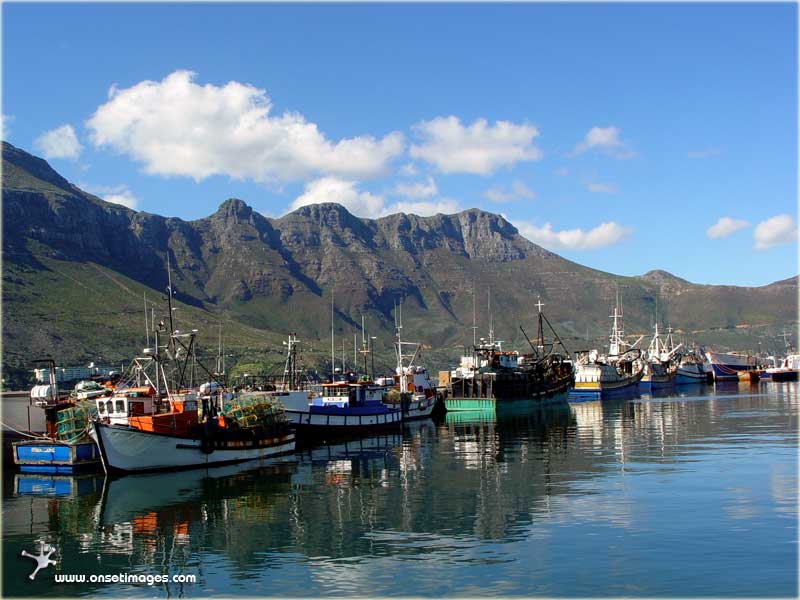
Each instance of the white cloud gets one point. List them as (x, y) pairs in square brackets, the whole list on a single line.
[(365, 204), (477, 148), (725, 227), (178, 127), (517, 191), (424, 209), (602, 188), (775, 231), (409, 170), (606, 139), (118, 194), (5, 131), (562, 172), (420, 189), (331, 189), (605, 234), (60, 142)]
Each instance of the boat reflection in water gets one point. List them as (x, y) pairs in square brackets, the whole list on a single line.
[(477, 504)]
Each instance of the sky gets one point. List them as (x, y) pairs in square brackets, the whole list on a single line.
[(625, 137)]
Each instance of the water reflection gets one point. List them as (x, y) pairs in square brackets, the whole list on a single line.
[(477, 504)]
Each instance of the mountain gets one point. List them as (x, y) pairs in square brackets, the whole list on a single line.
[(76, 267)]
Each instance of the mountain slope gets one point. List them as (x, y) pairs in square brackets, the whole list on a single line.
[(275, 275)]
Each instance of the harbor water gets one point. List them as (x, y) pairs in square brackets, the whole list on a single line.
[(686, 494)]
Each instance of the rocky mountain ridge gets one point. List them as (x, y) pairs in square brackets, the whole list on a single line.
[(279, 274)]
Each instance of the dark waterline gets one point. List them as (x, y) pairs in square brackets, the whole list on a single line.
[(690, 494)]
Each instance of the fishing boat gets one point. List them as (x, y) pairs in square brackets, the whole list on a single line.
[(619, 372), (139, 432), (167, 423), (660, 366), (412, 389), (787, 370), (348, 404), (64, 447), (690, 370), (340, 407), (489, 375), (726, 366)]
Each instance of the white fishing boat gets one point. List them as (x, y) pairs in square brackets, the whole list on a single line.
[(660, 366), (787, 370), (164, 423), (619, 372)]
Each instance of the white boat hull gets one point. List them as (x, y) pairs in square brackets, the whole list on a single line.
[(132, 450)]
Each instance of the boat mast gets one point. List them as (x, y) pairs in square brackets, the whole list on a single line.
[(400, 370), (539, 305), (785, 335), (169, 296), (146, 329), (474, 321), (364, 348), (219, 349), (616, 340), (290, 370), (333, 352), (491, 317)]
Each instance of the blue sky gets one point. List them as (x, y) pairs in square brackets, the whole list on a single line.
[(624, 137)]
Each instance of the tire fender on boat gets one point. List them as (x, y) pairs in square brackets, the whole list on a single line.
[(206, 444)]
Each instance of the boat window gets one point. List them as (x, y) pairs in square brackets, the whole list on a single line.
[(120, 406), (101, 407), (137, 408), (110, 406)]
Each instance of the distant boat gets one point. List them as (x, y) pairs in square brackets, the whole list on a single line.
[(788, 369), (598, 377)]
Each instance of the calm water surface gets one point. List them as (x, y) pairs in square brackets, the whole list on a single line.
[(692, 494)]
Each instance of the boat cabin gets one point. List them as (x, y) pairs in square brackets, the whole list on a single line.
[(349, 395), (140, 408)]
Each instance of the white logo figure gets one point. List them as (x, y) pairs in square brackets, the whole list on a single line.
[(42, 560)]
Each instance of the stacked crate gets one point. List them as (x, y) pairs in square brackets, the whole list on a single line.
[(251, 410), (71, 423)]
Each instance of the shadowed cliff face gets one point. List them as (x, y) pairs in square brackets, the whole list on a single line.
[(279, 274)]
